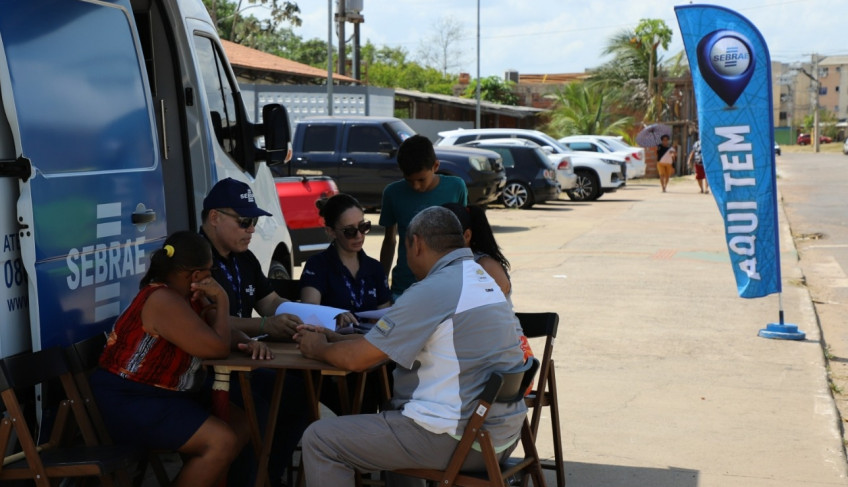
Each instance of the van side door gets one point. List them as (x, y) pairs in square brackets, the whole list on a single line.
[(91, 211)]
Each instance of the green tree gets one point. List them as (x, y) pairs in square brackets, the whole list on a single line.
[(629, 76), (493, 89), (827, 123), (234, 25), (580, 109)]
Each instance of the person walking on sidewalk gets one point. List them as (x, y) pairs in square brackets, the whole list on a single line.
[(665, 166), (696, 161)]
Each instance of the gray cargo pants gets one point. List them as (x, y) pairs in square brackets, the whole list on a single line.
[(334, 447)]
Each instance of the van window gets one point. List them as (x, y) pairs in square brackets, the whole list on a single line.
[(219, 92), (366, 138), (320, 138)]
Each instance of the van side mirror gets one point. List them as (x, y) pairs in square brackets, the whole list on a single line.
[(275, 124)]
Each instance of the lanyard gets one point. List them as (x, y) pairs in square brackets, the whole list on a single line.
[(235, 282), (357, 304)]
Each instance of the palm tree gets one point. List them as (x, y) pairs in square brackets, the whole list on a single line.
[(630, 75), (579, 109)]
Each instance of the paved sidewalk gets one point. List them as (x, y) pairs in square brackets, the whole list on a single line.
[(663, 381), (662, 378)]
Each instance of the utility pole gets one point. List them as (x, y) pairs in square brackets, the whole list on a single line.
[(330, 57), (816, 91), (815, 88), (477, 90), (340, 18)]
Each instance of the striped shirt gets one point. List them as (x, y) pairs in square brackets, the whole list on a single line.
[(134, 354)]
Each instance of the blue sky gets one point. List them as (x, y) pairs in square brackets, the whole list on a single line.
[(567, 36)]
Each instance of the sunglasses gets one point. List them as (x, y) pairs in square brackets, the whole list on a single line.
[(350, 232), (243, 221)]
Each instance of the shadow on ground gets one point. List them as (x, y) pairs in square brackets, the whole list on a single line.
[(599, 475)]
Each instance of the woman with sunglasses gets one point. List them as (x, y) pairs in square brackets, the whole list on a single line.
[(343, 276)]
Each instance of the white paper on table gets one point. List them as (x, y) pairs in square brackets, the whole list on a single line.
[(312, 314), (374, 314)]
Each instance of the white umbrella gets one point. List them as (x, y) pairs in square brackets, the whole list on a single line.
[(650, 136)]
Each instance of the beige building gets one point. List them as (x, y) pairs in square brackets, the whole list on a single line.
[(833, 76), (795, 94)]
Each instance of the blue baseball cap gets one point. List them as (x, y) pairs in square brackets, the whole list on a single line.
[(229, 193)]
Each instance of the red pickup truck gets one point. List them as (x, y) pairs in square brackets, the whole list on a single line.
[(298, 195)]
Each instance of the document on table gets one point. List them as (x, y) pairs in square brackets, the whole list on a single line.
[(312, 314), (374, 314)]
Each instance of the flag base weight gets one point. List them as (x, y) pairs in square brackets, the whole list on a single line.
[(782, 332)]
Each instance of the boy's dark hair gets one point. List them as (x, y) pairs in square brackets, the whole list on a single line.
[(416, 154), (189, 251)]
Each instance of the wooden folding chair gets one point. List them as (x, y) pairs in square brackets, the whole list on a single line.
[(501, 388), (536, 325), (53, 459), (83, 358)]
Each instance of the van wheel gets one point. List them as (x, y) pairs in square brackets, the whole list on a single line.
[(278, 271), (588, 187), (517, 195)]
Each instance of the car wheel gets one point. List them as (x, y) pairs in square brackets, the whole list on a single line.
[(278, 271), (516, 195), (588, 187)]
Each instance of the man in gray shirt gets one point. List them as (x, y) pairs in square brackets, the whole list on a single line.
[(447, 334)]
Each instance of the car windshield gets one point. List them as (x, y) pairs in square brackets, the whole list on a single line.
[(401, 130), (615, 144), (555, 144)]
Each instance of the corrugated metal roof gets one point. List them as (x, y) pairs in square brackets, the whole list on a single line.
[(552, 78), (471, 103)]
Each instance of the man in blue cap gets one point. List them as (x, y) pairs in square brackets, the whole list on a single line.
[(229, 217)]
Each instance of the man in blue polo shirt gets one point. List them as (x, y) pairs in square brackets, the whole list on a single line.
[(229, 216), (447, 334)]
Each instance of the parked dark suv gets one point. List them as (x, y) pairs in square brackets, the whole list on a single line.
[(360, 154), (530, 174)]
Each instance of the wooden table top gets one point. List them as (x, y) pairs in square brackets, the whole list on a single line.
[(286, 356)]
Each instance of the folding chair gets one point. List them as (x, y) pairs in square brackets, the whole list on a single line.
[(501, 388), (83, 358), (537, 325), (52, 460)]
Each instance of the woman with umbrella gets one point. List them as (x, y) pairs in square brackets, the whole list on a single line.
[(151, 386), (659, 135)]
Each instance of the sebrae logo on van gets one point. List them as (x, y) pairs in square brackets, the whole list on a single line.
[(103, 264)]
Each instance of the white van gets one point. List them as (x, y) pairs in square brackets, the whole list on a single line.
[(116, 118)]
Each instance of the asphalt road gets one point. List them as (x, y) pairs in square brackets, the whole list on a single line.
[(813, 187)]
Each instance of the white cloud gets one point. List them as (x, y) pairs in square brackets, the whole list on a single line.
[(556, 36)]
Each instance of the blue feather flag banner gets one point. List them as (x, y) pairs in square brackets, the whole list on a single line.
[(731, 73)]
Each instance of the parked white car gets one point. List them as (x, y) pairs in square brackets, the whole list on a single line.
[(565, 175), (596, 173), (607, 144)]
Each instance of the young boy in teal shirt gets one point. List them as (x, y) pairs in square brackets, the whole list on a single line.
[(420, 188)]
